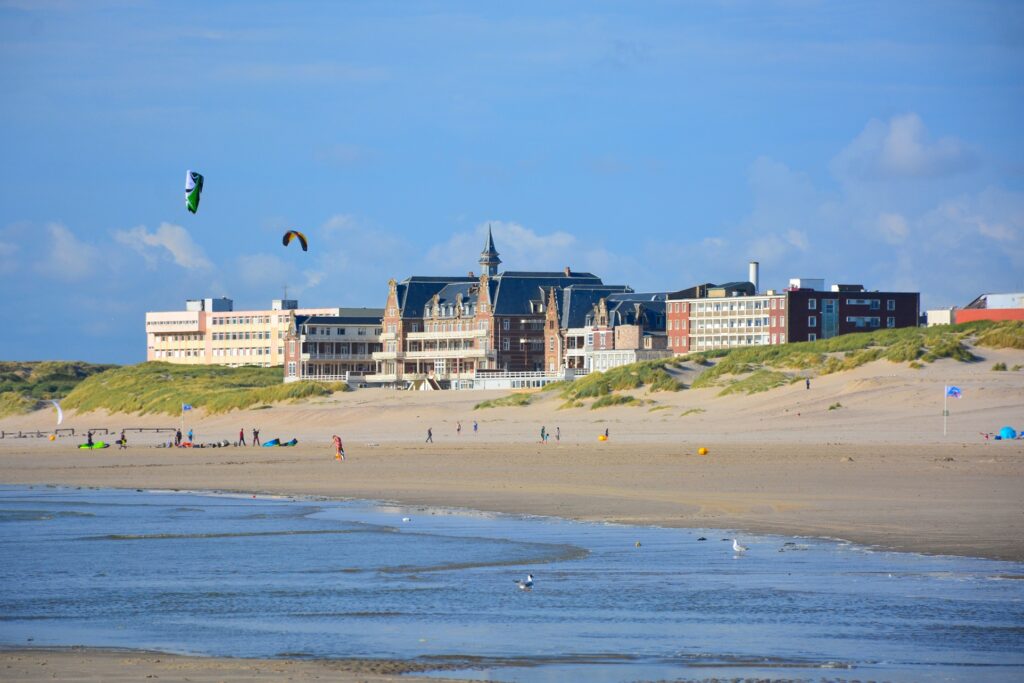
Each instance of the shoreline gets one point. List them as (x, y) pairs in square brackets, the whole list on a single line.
[(930, 499), (83, 663)]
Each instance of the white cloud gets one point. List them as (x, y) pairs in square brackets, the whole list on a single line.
[(172, 239), (8, 264), (519, 247), (900, 148), (67, 257)]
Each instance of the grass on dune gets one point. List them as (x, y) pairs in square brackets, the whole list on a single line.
[(519, 400), (164, 387), (24, 384)]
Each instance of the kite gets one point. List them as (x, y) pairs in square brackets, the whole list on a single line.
[(193, 188), (60, 413), (295, 234)]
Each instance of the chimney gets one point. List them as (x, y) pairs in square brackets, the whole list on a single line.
[(567, 271), (753, 274), (471, 274)]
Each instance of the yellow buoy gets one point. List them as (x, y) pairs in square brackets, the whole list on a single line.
[(702, 451), (52, 437), (602, 437)]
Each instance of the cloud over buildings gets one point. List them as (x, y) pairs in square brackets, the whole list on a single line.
[(168, 240)]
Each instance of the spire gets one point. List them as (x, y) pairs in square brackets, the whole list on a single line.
[(489, 256)]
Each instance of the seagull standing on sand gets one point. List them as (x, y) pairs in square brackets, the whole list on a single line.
[(525, 584), (737, 547)]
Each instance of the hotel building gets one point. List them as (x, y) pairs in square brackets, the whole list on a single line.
[(445, 332), (328, 348), (211, 332)]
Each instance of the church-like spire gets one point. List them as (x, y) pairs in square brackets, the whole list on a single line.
[(489, 256)]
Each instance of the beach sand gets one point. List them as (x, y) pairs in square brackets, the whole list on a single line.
[(876, 470)]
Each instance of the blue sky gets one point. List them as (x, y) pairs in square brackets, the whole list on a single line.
[(656, 144)]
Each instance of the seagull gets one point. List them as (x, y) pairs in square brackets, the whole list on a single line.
[(406, 519), (525, 584), (737, 547)]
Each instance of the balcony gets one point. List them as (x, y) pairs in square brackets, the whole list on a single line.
[(337, 356), (445, 353), (380, 378), (385, 355), (461, 334)]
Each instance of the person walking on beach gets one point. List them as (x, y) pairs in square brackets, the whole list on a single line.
[(122, 444), (190, 435), (458, 428), (474, 426), (339, 449), (255, 437), (88, 438), (430, 435), (177, 437), (241, 436), (606, 433), (558, 433), (808, 382), (543, 434)]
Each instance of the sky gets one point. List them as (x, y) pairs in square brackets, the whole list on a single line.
[(656, 144)]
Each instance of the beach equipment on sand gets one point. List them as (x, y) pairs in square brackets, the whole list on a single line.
[(290, 443), (60, 413), (272, 443), (53, 437), (1007, 433), (702, 451), (602, 437), (98, 444)]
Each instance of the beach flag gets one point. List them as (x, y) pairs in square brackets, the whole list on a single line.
[(953, 392), (186, 406)]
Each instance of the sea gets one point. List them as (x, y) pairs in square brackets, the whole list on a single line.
[(237, 575)]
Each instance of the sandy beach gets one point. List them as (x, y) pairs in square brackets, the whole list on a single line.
[(875, 470)]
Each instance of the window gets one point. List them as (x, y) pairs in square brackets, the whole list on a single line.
[(505, 324), (812, 321), (890, 305), (890, 321), (812, 337), (551, 342), (291, 368), (504, 343), (812, 304), (875, 304)]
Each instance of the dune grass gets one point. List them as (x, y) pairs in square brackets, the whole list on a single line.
[(24, 384), (609, 400), (758, 381), (651, 374), (1008, 335), (163, 388), (515, 400)]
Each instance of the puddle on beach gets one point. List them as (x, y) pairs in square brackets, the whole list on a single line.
[(230, 575)]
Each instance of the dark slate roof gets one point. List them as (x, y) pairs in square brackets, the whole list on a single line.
[(414, 292), (695, 292), (579, 300), (512, 290)]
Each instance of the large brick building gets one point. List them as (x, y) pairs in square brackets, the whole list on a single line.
[(442, 331), (710, 316), (332, 347)]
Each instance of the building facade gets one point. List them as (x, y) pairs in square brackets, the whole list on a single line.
[(443, 332), (596, 328), (211, 332), (1009, 306), (707, 317), (329, 348)]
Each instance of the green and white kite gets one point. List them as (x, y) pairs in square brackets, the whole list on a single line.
[(193, 188)]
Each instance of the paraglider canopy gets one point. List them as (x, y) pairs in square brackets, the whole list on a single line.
[(1007, 433), (295, 234)]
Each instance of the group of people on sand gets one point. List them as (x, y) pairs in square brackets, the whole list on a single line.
[(458, 430)]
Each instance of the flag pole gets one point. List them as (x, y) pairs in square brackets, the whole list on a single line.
[(945, 410)]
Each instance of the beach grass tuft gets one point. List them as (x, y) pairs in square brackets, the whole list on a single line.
[(29, 382), (519, 399), (609, 400)]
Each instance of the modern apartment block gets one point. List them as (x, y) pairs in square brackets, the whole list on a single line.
[(211, 332), (330, 348), (710, 316)]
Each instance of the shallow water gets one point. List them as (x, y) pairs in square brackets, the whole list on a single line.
[(264, 577)]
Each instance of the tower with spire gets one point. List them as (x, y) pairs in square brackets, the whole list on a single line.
[(489, 257)]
